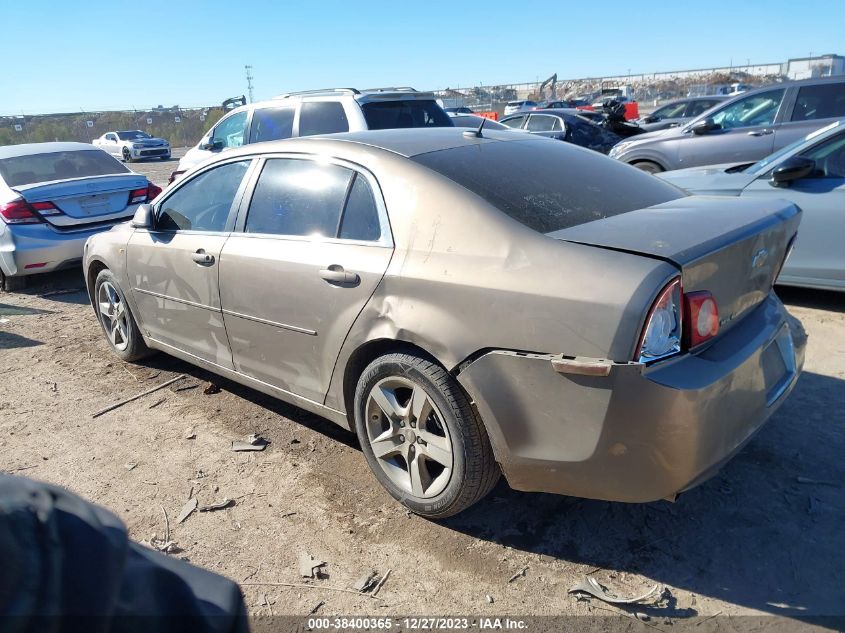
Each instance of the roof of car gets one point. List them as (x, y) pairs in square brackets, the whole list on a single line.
[(28, 149), (406, 142)]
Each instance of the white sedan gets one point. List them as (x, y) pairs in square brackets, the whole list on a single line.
[(132, 145)]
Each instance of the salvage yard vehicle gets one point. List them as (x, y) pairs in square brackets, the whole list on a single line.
[(810, 173), (311, 112), (53, 197), (469, 304), (745, 128), (132, 145), (564, 125), (676, 112)]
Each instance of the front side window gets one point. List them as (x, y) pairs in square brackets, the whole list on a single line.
[(203, 203), (322, 117), (823, 101), (230, 132), (697, 107), (514, 122), (298, 197), (271, 124), (671, 111), (758, 109), (388, 115), (829, 157), (543, 123), (32, 168)]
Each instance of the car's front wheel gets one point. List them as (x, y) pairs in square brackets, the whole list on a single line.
[(648, 166), (421, 437), (127, 156), (118, 323), (11, 284)]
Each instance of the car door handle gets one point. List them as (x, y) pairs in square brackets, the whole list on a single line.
[(760, 132), (202, 258), (337, 275)]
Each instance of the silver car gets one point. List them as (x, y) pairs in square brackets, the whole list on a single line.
[(469, 305), (677, 112), (746, 128), (810, 173), (53, 197), (132, 145)]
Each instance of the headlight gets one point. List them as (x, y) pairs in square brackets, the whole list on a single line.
[(663, 327), (619, 148), (136, 146)]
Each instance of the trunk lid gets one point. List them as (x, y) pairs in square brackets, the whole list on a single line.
[(734, 248), (85, 200)]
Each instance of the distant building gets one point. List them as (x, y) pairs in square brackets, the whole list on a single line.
[(812, 67)]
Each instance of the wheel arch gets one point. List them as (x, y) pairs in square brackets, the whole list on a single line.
[(95, 267)]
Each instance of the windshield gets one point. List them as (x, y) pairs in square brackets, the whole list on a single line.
[(549, 186), (387, 115), (671, 111), (762, 165), (133, 135), (34, 168)]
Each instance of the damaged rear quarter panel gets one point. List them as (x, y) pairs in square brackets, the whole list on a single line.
[(465, 277)]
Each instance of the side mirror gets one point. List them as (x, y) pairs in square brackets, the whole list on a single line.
[(651, 119), (705, 126), (792, 169), (143, 218), (212, 145)]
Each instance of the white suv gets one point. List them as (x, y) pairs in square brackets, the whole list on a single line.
[(317, 112)]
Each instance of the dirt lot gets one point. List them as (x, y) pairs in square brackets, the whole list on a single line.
[(763, 537)]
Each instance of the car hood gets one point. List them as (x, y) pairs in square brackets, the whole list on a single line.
[(717, 180)]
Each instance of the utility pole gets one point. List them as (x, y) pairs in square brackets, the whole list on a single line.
[(248, 69)]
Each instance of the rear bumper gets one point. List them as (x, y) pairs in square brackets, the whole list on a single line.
[(640, 433), (28, 249)]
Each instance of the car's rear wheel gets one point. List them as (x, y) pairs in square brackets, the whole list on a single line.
[(116, 318), (648, 166), (421, 437), (11, 284)]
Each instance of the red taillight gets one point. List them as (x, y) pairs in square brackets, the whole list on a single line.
[(152, 191), (46, 208), (661, 335), (19, 212), (702, 317), (137, 196)]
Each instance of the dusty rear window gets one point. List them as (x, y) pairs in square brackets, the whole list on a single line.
[(549, 185), (32, 168)]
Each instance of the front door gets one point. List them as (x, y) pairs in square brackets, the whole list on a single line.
[(300, 267), (173, 268), (747, 132)]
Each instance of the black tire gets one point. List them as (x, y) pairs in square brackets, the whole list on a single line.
[(135, 348), (127, 157), (12, 284), (474, 470), (648, 166), (165, 157)]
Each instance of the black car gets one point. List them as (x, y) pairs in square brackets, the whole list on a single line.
[(566, 126)]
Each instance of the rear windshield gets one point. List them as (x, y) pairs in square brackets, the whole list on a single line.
[(387, 115), (26, 170), (548, 185)]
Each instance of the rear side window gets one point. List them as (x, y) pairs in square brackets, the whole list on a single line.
[(823, 101), (298, 197), (697, 107), (360, 217), (271, 124), (543, 123), (203, 203), (549, 186), (322, 117), (387, 115), (27, 170)]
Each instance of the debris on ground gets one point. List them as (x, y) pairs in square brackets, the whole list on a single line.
[(317, 607), (187, 509), (490, 599), (816, 482), (226, 503), (156, 403), (252, 442), (185, 387), (162, 545), (380, 583), (309, 567), (518, 574), (211, 388), (114, 406), (130, 466), (365, 582), (594, 588), (190, 434)]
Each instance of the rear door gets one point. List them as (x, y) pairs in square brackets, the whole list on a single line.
[(306, 257), (173, 268), (747, 132), (813, 107)]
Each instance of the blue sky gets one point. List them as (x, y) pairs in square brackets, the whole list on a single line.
[(64, 55)]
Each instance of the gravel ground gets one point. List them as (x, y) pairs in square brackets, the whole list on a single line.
[(765, 536)]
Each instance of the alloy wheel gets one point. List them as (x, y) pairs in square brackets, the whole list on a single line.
[(113, 315), (408, 437)]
